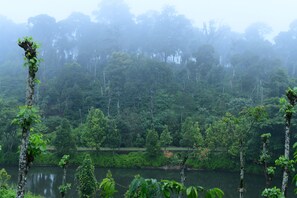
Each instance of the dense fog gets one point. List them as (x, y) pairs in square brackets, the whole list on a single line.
[(153, 69)]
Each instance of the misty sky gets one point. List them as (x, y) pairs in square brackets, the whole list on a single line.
[(238, 14)]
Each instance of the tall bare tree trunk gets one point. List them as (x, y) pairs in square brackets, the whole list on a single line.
[(23, 159), (24, 162), (287, 155), (267, 178), (292, 97)]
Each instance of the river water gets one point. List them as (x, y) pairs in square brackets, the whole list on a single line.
[(45, 180)]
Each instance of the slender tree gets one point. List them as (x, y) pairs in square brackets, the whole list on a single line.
[(65, 186), (28, 114), (248, 120), (265, 157), (288, 108)]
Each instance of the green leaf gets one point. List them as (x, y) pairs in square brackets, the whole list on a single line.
[(192, 192)]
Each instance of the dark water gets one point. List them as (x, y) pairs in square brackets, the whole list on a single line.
[(45, 180)]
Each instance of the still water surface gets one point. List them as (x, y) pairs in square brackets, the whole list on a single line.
[(45, 180)]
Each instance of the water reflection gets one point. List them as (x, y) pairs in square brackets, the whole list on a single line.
[(45, 180)]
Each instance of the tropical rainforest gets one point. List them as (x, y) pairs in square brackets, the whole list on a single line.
[(154, 81)]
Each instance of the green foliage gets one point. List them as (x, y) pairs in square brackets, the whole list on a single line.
[(30, 40), (214, 161), (286, 108), (5, 190), (139, 141), (31, 60), (10, 193), (113, 137), (107, 186), (8, 132), (64, 141), (283, 162), (7, 193), (271, 170), (64, 161), (64, 188), (147, 188), (171, 187), (272, 193), (105, 159), (265, 157), (36, 146), (256, 114), (214, 193), (47, 158), (191, 134), (292, 95), (86, 178), (96, 127), (229, 132), (150, 80), (27, 116), (4, 178), (223, 134), (153, 148), (192, 192), (165, 137), (265, 137)]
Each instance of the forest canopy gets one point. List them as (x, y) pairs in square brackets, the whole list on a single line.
[(154, 72)]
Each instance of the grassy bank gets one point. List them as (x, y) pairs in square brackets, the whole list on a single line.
[(107, 159), (138, 159)]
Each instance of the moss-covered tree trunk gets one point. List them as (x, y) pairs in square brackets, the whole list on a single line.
[(24, 162), (289, 110), (287, 156), (264, 151)]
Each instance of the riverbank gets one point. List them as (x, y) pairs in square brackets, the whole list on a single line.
[(139, 159)]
